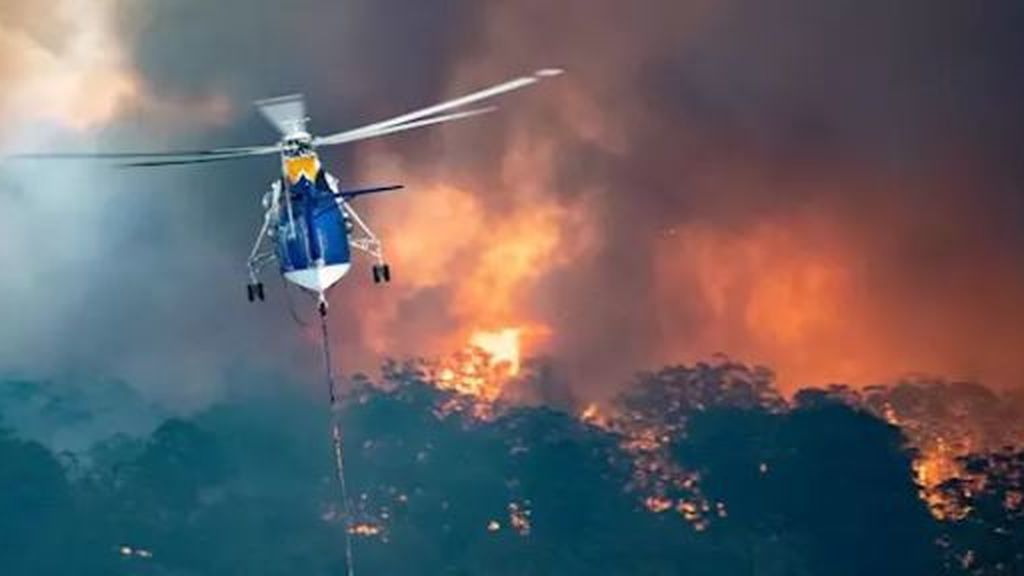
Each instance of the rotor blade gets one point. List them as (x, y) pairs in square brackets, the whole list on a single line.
[(477, 96), (349, 194), (198, 159), (354, 137), (129, 155)]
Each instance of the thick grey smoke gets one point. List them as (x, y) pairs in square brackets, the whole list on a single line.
[(139, 275), (831, 190)]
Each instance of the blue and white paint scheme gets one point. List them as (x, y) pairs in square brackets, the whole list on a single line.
[(313, 249), (315, 227)]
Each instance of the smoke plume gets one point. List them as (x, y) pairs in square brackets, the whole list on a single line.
[(831, 191)]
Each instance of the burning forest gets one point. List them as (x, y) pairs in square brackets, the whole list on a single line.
[(460, 463), (802, 220)]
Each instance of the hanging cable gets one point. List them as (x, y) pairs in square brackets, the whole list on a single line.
[(339, 463)]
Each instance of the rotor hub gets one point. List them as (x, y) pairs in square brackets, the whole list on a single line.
[(297, 144)]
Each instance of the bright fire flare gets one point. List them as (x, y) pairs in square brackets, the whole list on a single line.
[(482, 370), (501, 345)]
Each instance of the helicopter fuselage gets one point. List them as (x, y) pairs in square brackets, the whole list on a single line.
[(310, 225)]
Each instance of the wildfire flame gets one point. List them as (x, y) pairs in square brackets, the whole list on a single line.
[(768, 292), (502, 346), (480, 372)]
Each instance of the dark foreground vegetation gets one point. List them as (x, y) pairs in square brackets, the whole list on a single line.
[(732, 481)]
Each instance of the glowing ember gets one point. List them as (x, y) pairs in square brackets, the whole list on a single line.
[(657, 504), (364, 529), (593, 415), (519, 518), (137, 552), (589, 413), (663, 484)]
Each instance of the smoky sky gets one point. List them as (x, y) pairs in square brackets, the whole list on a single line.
[(830, 189)]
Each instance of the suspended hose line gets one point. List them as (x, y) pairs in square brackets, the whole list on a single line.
[(339, 463)]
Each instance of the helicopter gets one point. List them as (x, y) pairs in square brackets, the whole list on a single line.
[(310, 228)]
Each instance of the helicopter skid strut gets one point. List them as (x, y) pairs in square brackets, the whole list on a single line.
[(364, 240)]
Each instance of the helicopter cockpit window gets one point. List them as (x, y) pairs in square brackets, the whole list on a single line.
[(298, 148)]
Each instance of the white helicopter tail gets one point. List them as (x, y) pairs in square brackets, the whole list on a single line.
[(286, 113)]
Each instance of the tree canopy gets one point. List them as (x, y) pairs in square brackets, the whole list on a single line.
[(736, 481)]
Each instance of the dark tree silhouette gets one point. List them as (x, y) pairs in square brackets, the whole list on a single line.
[(815, 486), (37, 516)]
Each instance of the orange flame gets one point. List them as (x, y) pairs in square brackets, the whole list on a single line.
[(502, 346), (481, 371)]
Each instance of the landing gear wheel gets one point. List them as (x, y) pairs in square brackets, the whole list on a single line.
[(255, 292), (381, 273), (322, 307)]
